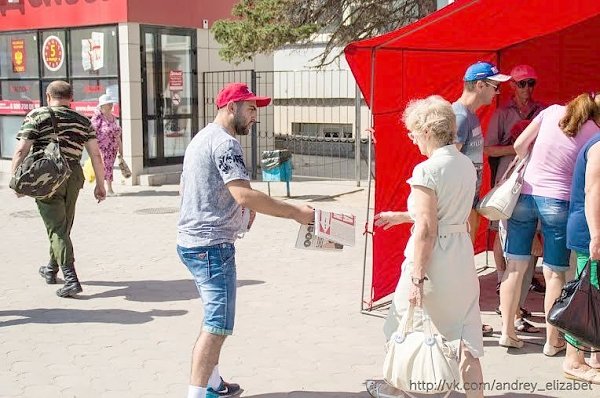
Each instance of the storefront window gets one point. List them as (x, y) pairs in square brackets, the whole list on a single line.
[(94, 52), (178, 134), (9, 127), (29, 61), (54, 53), (86, 94), (18, 97), (18, 55)]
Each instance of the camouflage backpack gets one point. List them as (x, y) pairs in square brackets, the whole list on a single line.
[(42, 171)]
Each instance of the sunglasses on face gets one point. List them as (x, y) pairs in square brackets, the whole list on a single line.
[(525, 83), (495, 86)]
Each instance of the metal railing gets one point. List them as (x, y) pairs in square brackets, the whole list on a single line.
[(313, 115)]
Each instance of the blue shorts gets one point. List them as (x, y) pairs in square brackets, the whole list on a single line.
[(213, 269), (553, 215)]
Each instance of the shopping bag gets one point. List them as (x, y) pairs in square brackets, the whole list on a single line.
[(88, 171)]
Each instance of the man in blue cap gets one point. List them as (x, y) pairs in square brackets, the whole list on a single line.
[(481, 85)]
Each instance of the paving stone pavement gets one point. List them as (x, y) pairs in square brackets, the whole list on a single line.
[(299, 332)]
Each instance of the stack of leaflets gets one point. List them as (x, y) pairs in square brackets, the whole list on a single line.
[(330, 231)]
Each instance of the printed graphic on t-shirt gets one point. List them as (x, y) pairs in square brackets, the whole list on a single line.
[(230, 161)]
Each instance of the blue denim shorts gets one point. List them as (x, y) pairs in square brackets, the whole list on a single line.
[(213, 269), (553, 215)]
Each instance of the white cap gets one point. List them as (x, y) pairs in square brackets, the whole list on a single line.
[(106, 99)]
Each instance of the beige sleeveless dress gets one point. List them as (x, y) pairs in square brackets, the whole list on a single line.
[(451, 293)]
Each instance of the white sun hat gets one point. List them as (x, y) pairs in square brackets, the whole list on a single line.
[(106, 99)]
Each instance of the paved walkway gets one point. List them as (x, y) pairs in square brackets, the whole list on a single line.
[(299, 332)]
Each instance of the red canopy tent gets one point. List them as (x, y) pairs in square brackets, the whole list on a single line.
[(559, 38)]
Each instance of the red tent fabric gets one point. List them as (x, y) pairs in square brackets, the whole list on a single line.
[(559, 38)]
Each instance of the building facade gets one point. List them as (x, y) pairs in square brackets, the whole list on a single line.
[(149, 54)]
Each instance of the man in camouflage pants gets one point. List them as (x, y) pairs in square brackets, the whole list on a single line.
[(58, 211)]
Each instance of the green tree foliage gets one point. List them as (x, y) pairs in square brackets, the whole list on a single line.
[(262, 26)]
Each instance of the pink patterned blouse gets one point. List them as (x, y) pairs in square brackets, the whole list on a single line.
[(108, 133)]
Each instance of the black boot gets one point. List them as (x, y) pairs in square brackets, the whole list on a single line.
[(48, 272), (72, 286)]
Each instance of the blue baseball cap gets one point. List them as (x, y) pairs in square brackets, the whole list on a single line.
[(484, 70)]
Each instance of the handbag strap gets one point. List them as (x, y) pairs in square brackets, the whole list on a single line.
[(54, 121), (517, 165)]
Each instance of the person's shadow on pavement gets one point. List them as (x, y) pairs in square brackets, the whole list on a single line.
[(310, 394), (152, 291), (64, 315)]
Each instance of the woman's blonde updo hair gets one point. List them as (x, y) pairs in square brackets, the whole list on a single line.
[(433, 114)]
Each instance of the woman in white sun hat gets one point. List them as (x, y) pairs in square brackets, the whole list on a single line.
[(108, 132)]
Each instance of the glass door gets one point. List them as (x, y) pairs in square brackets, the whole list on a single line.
[(169, 93)]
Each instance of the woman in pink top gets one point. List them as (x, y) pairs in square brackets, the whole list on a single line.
[(108, 132), (559, 132)]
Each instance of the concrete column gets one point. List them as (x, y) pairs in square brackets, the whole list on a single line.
[(131, 99)]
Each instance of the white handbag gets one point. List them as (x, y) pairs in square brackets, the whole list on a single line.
[(421, 361), (500, 202)]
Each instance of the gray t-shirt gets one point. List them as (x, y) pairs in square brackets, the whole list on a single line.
[(209, 215), (469, 133)]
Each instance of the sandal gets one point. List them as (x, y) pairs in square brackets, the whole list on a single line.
[(551, 350), (587, 376), (509, 342), (380, 389), (521, 325), (524, 313), (587, 361), (487, 330)]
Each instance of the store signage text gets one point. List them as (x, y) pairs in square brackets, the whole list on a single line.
[(16, 107), (48, 3), (19, 89), (93, 89)]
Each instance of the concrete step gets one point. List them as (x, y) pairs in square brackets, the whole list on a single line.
[(161, 178)]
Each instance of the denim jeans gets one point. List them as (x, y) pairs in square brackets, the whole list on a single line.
[(213, 269), (553, 215)]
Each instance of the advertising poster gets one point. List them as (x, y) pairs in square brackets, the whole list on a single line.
[(18, 55), (92, 52), (53, 53), (176, 80)]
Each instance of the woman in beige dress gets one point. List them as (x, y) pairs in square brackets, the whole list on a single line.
[(439, 270)]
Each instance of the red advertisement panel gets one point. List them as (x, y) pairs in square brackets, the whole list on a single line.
[(87, 108), (17, 107)]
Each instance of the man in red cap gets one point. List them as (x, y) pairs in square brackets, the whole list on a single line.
[(215, 188), (507, 120)]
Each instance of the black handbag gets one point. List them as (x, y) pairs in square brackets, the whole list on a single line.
[(577, 310), (42, 171)]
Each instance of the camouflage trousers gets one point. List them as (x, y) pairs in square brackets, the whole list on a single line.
[(58, 213)]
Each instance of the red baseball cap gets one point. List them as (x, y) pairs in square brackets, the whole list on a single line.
[(522, 72), (239, 92)]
